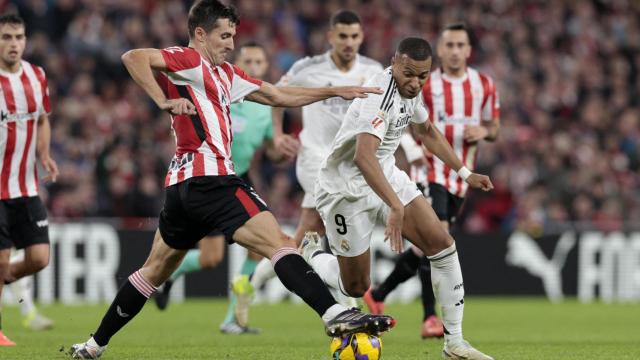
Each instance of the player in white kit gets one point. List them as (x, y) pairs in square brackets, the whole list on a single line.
[(360, 186), (341, 65)]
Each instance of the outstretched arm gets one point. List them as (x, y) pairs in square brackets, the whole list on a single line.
[(290, 96), (140, 63), (440, 147)]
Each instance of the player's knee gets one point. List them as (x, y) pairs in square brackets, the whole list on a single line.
[(210, 260), (357, 288), (38, 263)]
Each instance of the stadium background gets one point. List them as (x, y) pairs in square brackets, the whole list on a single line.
[(565, 166)]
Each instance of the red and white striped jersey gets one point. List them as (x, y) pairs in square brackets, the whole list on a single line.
[(24, 98), (453, 104), (203, 141)]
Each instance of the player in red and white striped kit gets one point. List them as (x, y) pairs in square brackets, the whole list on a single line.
[(25, 134), (463, 104), (203, 192)]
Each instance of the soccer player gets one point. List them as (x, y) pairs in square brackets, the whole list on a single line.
[(341, 65), (251, 128), (202, 191), (463, 105), (25, 134), (360, 186)]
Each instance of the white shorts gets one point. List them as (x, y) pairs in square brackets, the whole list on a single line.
[(308, 166), (349, 222)]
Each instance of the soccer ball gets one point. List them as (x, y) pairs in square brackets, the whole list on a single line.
[(359, 346)]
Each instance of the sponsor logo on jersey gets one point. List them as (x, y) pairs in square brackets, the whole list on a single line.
[(7, 117)]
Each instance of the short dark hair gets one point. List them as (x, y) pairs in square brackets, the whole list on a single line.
[(205, 14), (13, 19), (456, 26), (344, 16), (414, 47)]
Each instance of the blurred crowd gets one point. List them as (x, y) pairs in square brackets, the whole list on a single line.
[(568, 74)]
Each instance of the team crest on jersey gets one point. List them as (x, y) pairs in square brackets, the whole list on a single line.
[(344, 245)]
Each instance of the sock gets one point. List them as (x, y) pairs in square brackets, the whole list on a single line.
[(298, 277), (428, 299), (325, 265), (406, 267), (247, 268), (127, 304), (448, 288), (263, 273), (22, 290), (190, 263)]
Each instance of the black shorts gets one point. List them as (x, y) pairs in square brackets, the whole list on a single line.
[(23, 222), (446, 205), (197, 206), (245, 177)]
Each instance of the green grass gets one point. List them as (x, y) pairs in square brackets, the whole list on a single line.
[(507, 328)]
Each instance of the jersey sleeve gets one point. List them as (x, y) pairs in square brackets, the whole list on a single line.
[(491, 106), (242, 85), (420, 113), (293, 77), (180, 58)]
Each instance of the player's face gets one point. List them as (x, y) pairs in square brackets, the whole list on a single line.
[(253, 61), (410, 75), (454, 49), (345, 40), (12, 43), (218, 43)]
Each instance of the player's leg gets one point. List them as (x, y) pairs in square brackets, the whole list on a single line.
[(36, 258), (242, 292), (423, 228), (405, 268), (209, 254), (5, 254), (309, 220), (263, 235), (131, 297), (30, 232), (23, 290)]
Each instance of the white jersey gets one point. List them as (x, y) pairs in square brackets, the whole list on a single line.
[(386, 116), (321, 120)]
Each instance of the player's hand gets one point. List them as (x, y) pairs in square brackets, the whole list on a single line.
[(393, 231), (475, 133), (180, 106), (352, 92), (480, 182), (51, 167), (286, 145)]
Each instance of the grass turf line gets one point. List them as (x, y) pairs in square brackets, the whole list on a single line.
[(506, 328)]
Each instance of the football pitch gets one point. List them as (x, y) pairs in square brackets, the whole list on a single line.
[(506, 328)]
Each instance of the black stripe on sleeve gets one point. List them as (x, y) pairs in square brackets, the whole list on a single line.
[(386, 94)]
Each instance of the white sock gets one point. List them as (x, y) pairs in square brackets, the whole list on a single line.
[(263, 273), (325, 266), (91, 342), (448, 288), (22, 289), (332, 312)]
